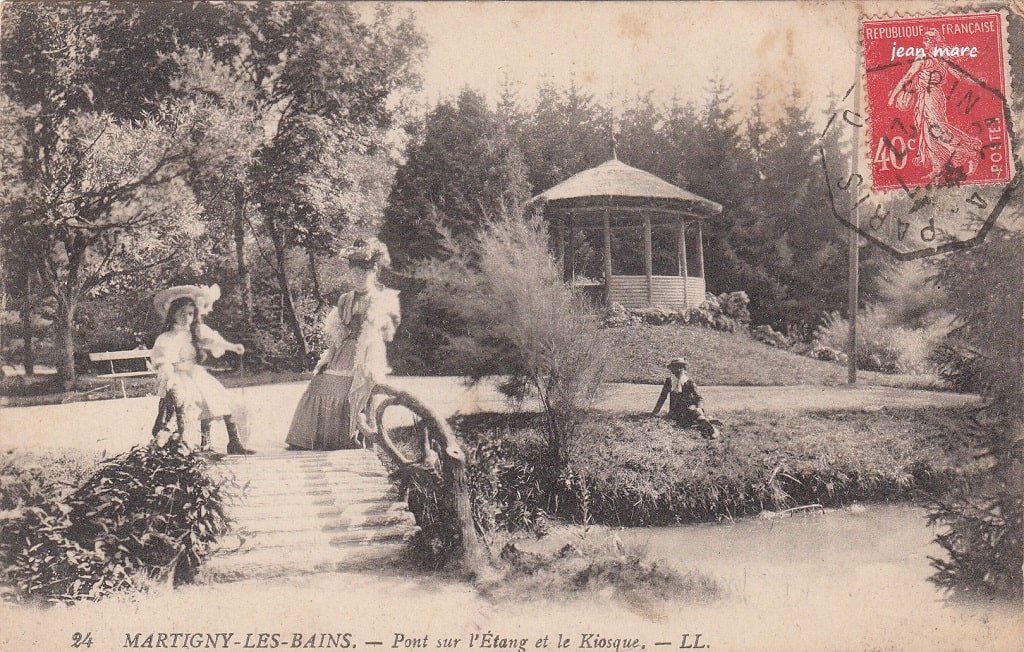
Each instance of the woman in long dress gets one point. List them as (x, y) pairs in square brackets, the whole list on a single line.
[(357, 331), (185, 388)]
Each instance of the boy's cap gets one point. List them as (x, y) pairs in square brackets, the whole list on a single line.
[(677, 362)]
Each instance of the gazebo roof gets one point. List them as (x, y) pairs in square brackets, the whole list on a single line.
[(614, 184)]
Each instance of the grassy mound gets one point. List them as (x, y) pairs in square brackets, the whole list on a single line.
[(640, 470), (720, 358)]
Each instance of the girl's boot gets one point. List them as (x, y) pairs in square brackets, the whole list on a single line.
[(234, 444)]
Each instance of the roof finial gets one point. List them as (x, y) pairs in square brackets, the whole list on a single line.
[(615, 142)]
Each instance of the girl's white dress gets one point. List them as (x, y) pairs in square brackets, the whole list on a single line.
[(175, 358)]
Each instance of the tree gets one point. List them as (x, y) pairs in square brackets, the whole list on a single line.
[(325, 78), (461, 170), (569, 131), (102, 162)]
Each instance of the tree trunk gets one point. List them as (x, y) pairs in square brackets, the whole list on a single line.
[(64, 330), (316, 280), (28, 357), (244, 277), (290, 315)]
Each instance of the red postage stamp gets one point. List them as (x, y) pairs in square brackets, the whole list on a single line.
[(936, 91)]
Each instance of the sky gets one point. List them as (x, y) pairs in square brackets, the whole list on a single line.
[(620, 49)]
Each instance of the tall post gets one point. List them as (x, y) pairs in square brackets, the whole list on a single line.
[(571, 244), (607, 258), (700, 249), (681, 261), (561, 243), (854, 250), (648, 258)]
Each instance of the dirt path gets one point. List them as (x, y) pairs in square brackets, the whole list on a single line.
[(116, 425)]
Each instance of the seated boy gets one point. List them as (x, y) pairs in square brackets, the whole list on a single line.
[(685, 405)]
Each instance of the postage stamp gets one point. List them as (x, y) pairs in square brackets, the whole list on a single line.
[(936, 89), (919, 156)]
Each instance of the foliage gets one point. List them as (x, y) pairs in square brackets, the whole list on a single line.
[(982, 521), (32, 478), (102, 157), (726, 312), (958, 366), (143, 515), (982, 537), (768, 335), (461, 170), (504, 491), (131, 162), (505, 293), (881, 344)]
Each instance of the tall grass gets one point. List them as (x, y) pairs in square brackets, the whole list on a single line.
[(511, 311)]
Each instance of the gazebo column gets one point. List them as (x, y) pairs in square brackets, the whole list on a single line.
[(606, 224), (648, 258), (700, 249), (681, 261)]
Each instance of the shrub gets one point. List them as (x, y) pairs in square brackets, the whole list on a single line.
[(33, 479), (983, 539), (507, 299), (505, 491), (828, 354), (768, 335), (725, 312), (958, 366), (881, 344), (143, 515)]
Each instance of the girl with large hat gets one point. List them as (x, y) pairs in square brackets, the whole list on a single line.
[(357, 331), (186, 389)]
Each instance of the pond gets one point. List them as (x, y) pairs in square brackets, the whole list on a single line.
[(851, 578)]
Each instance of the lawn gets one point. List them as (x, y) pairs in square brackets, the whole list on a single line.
[(642, 470), (42, 390), (639, 355), (719, 358)]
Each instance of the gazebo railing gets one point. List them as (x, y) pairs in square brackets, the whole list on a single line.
[(671, 292)]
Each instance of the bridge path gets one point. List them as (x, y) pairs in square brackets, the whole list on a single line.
[(306, 512)]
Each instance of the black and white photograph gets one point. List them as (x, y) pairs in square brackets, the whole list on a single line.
[(498, 327)]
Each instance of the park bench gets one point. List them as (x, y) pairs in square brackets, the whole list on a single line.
[(119, 356)]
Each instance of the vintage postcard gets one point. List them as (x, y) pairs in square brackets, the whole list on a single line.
[(509, 327)]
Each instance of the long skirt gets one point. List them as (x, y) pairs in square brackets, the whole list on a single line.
[(324, 417)]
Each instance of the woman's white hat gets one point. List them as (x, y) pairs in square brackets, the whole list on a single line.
[(204, 297), (367, 251)]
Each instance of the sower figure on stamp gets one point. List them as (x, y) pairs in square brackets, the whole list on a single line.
[(186, 389), (685, 404)]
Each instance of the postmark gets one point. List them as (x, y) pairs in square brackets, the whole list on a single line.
[(934, 137)]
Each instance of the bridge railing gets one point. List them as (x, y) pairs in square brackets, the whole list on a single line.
[(434, 476)]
